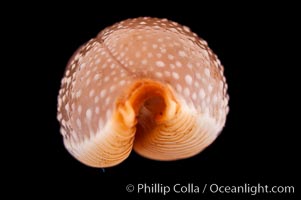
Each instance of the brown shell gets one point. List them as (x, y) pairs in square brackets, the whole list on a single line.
[(146, 84)]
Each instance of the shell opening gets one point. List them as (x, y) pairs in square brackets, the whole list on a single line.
[(146, 104)]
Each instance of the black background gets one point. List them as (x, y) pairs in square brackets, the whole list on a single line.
[(259, 142)]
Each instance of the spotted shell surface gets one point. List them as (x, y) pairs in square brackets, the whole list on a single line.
[(146, 84)]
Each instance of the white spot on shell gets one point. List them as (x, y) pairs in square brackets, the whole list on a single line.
[(155, 46), (207, 72), (89, 114), (96, 99), (194, 96), (112, 88), (79, 109), (210, 88), (182, 54), (88, 72), (82, 66), (178, 64), (160, 63), (91, 93), (186, 92), (59, 116), (167, 73), (186, 29), (104, 66), (78, 93), (64, 123), (78, 123), (106, 79), (202, 93), (97, 110), (107, 101), (144, 62), (67, 107), (88, 81), (188, 79), (103, 93), (144, 48), (122, 54), (158, 74), (108, 113), (163, 50), (175, 75), (170, 57), (215, 99), (206, 110), (208, 100), (122, 82), (64, 133), (96, 77), (221, 84), (68, 80), (189, 65), (179, 87), (137, 54)]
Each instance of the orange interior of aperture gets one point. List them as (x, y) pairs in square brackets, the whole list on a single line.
[(147, 100)]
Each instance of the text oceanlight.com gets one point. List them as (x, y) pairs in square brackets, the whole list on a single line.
[(191, 188)]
